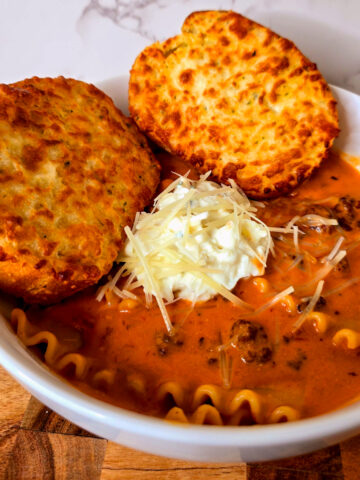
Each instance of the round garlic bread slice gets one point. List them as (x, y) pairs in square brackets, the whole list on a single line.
[(231, 96), (73, 173)]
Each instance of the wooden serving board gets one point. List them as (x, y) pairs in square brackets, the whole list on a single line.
[(37, 444)]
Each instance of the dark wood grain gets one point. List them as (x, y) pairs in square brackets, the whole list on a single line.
[(41, 418), (38, 444), (13, 402), (325, 463), (7, 442), (350, 454), (40, 455), (125, 464)]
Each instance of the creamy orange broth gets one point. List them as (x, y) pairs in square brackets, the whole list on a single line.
[(302, 369)]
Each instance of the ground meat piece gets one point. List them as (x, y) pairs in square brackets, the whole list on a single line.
[(345, 211), (166, 343), (322, 211), (321, 303), (298, 361), (212, 361), (343, 266), (251, 340)]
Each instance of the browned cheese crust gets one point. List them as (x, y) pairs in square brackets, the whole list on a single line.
[(231, 96), (73, 172)]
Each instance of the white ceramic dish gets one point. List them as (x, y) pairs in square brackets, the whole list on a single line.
[(206, 443)]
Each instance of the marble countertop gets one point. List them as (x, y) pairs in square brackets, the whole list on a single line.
[(94, 40)]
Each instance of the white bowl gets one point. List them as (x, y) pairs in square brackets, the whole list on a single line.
[(191, 442)]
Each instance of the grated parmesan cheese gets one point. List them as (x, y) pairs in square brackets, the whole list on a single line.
[(341, 287), (311, 219), (317, 220), (310, 307), (198, 241), (273, 301), (322, 272), (296, 237), (334, 251)]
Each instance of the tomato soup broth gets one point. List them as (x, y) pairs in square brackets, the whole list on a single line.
[(307, 361)]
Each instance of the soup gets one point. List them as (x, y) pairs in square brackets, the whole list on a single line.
[(294, 355)]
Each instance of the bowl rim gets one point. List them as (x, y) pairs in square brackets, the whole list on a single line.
[(39, 378)]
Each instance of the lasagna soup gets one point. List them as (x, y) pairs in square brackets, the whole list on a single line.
[(290, 349)]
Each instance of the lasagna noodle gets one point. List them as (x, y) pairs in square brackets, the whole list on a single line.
[(209, 415), (214, 405), (348, 337), (205, 414), (136, 383), (80, 363), (321, 321), (289, 303), (31, 336), (261, 284), (172, 390), (284, 413), (56, 354), (103, 378), (227, 407)]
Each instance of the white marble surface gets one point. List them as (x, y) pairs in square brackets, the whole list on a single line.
[(97, 39)]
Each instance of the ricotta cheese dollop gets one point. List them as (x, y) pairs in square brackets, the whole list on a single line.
[(198, 241)]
